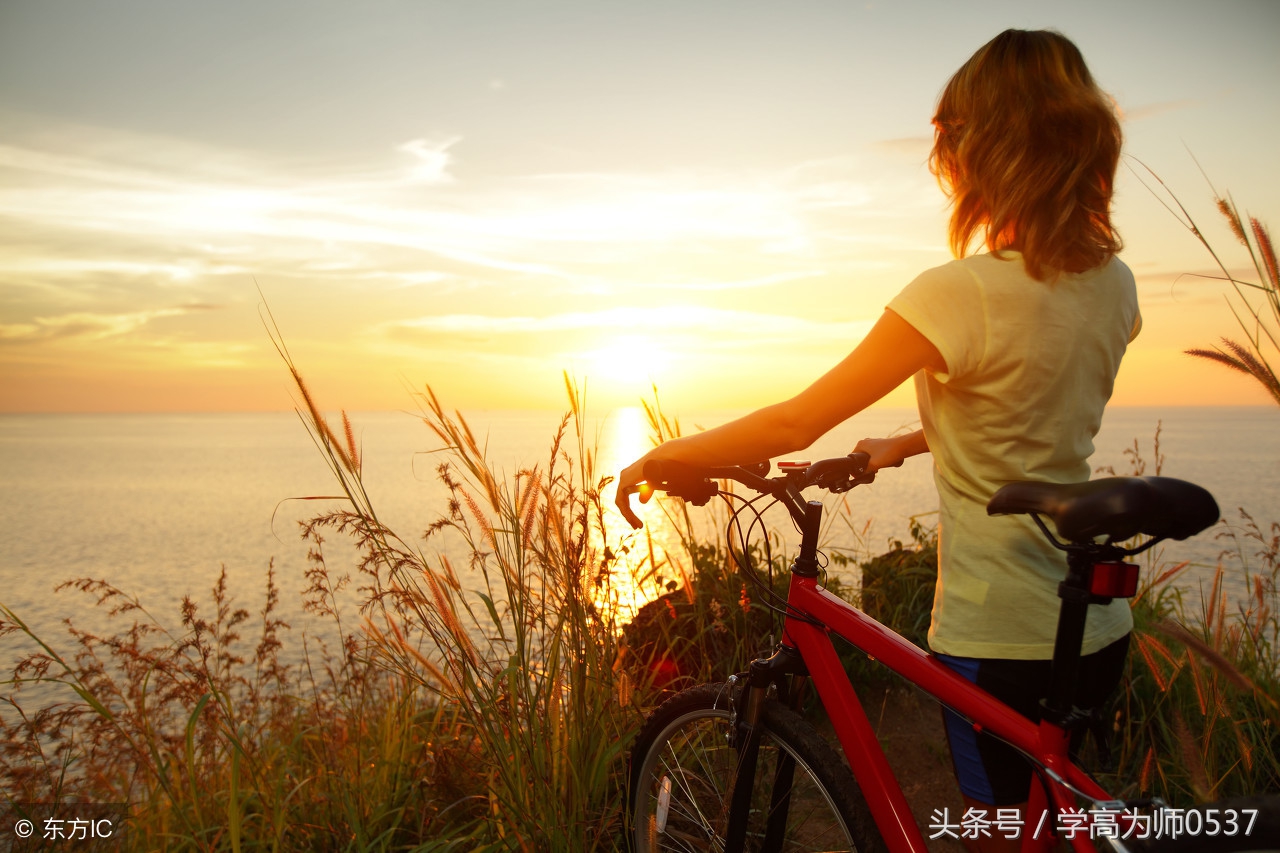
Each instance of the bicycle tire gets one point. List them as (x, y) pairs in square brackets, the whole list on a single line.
[(682, 768), (1262, 837)]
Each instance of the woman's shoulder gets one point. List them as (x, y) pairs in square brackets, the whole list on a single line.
[(955, 293), (1006, 264), (1117, 269), (954, 273), (1003, 274), (1005, 268)]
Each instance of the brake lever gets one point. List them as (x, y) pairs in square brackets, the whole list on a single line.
[(846, 484), (699, 495), (838, 475)]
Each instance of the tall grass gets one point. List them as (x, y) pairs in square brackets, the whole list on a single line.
[(522, 642), (1254, 304), (216, 743), (1201, 715)]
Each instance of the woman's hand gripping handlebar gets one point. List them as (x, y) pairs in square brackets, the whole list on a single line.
[(697, 484)]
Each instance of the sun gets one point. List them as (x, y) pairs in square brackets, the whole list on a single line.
[(627, 361)]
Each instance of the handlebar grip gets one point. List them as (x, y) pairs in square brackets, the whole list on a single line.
[(657, 471), (679, 480), (836, 475)]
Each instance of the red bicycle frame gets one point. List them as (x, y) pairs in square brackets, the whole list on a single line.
[(1046, 743)]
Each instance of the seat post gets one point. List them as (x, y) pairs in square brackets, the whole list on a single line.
[(1075, 595)]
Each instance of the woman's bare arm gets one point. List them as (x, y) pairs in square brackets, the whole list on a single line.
[(891, 352)]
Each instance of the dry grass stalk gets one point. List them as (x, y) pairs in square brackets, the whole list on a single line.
[(528, 507), (486, 529), (1258, 320), (1192, 758), (353, 455), (1144, 778), (1146, 645), (1210, 655), (1197, 680)]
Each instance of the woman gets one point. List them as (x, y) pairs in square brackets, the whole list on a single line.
[(1014, 354)]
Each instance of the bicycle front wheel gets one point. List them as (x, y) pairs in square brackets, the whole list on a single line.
[(683, 771)]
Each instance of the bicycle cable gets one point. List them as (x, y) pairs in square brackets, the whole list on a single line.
[(743, 560), (769, 597)]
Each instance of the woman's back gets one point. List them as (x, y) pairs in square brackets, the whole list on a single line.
[(1030, 367)]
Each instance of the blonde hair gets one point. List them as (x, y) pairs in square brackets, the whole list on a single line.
[(1026, 147)]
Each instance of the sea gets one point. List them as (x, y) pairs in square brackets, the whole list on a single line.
[(159, 505)]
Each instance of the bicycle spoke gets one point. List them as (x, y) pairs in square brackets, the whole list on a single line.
[(682, 776), (685, 779)]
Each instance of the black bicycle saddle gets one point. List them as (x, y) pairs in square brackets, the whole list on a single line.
[(1115, 507)]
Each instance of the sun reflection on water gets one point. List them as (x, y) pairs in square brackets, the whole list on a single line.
[(625, 437)]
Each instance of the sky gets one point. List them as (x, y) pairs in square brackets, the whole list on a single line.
[(716, 198)]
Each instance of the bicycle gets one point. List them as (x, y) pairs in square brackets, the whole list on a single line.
[(734, 766)]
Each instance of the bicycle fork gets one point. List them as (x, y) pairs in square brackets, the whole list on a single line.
[(746, 728)]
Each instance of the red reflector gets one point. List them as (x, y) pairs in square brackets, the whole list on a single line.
[(1116, 580), (793, 466)]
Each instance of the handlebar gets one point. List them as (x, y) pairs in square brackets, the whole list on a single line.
[(697, 484)]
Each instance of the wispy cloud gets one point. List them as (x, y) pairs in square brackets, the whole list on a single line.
[(433, 159), (84, 325), (94, 212), (1144, 111), (285, 227), (911, 146), (711, 285), (536, 225), (751, 327), (30, 264)]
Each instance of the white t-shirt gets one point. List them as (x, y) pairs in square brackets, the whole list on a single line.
[(1030, 367)]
